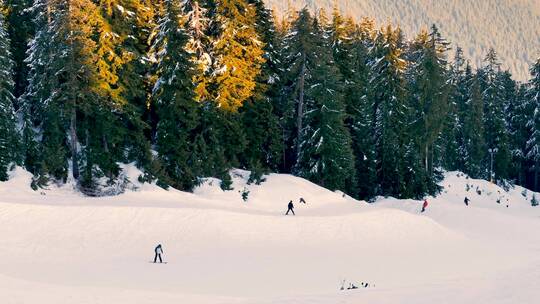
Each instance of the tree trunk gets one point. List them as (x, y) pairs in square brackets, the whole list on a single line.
[(300, 109), (73, 114), (431, 161), (73, 135), (536, 177), (426, 162)]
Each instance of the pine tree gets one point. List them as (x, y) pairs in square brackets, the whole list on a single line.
[(197, 27), (261, 125), (518, 113), (85, 97), (341, 31), (41, 119), (533, 144), (299, 46), (20, 28), (510, 101), (388, 92), (215, 144), (494, 119), (429, 93), (8, 132), (123, 46), (451, 139), (473, 151), (174, 96), (325, 155), (238, 54), (351, 46)]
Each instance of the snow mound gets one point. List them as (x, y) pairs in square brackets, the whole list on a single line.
[(61, 247)]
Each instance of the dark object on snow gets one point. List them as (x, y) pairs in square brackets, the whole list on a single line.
[(466, 201), (159, 251), (303, 201), (352, 286), (498, 201), (424, 206), (290, 208), (245, 194)]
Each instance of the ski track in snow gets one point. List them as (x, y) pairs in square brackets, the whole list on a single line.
[(61, 247)]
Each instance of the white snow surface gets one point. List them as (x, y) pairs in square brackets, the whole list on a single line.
[(57, 246)]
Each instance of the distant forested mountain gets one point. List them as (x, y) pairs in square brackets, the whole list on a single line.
[(512, 27)]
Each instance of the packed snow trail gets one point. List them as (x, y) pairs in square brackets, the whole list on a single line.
[(61, 247)]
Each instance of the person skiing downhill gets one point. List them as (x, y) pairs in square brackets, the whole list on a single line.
[(290, 208), (466, 201), (424, 206), (159, 251)]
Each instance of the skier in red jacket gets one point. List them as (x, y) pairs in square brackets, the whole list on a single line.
[(424, 206)]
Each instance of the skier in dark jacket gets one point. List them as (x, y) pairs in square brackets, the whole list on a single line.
[(424, 206), (159, 251), (303, 201), (466, 201), (290, 208)]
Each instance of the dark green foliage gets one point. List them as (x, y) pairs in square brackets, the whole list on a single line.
[(388, 94), (174, 98), (533, 123), (260, 123), (428, 93), (9, 141), (20, 29), (350, 47), (325, 155), (473, 150), (496, 137), (176, 88)]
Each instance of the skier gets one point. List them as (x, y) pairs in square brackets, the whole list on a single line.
[(424, 206), (290, 208), (466, 201), (303, 201), (159, 251)]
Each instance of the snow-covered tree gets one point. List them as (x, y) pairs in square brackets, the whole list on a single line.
[(533, 144), (429, 92), (451, 138), (8, 132), (325, 154), (174, 98), (261, 125), (299, 49), (473, 149), (496, 136), (20, 29), (388, 94), (237, 54)]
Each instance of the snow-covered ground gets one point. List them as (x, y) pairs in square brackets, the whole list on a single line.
[(59, 247)]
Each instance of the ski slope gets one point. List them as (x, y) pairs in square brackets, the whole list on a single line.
[(511, 27), (59, 247)]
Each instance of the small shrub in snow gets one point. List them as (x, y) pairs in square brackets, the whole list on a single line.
[(226, 181), (256, 176), (524, 193), (245, 194), (534, 201)]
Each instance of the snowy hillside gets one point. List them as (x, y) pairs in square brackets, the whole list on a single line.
[(59, 247), (511, 27)]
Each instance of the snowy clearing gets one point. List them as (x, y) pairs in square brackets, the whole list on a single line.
[(59, 247)]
